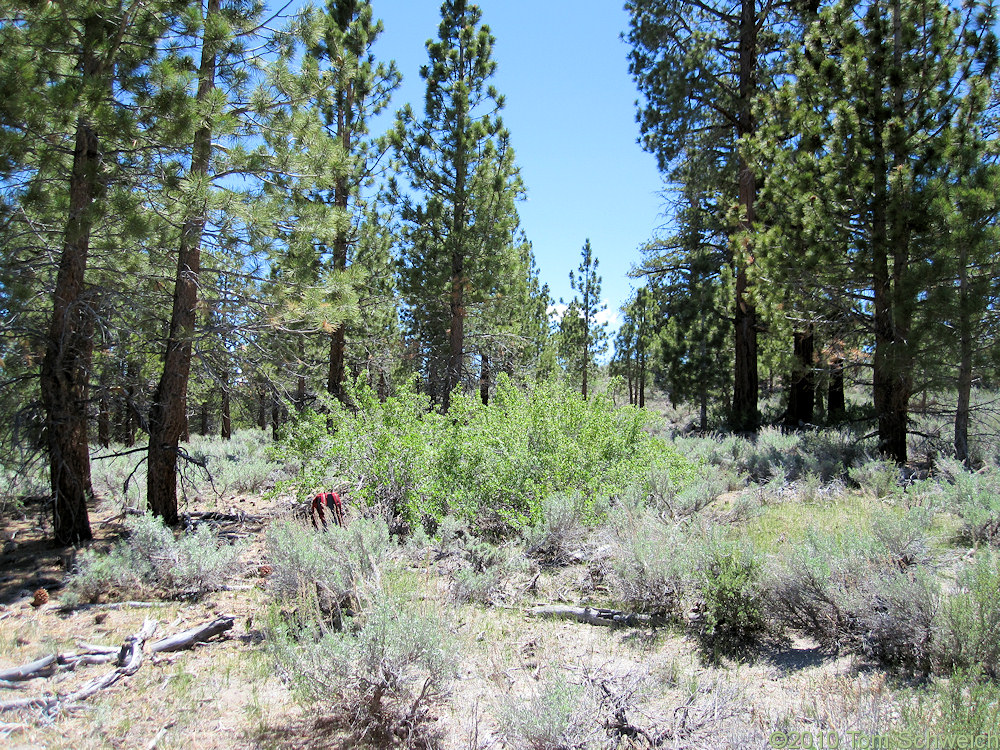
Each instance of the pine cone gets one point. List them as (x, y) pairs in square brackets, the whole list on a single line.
[(41, 597), (265, 570)]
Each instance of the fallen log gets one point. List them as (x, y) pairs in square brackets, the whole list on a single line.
[(129, 657), (129, 661), (189, 638), (43, 667), (598, 616)]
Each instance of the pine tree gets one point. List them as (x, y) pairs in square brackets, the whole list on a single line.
[(457, 220), (880, 111), (582, 331), (700, 68), (91, 124), (353, 88)]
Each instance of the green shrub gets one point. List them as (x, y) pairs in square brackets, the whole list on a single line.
[(490, 465), (727, 584), (151, 557)]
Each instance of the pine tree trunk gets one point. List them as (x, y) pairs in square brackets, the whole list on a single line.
[(802, 391), (892, 375), (128, 416), (642, 381), (965, 348), (168, 415), (227, 419), (484, 380), (275, 418), (745, 416), (65, 370), (104, 411), (836, 402)]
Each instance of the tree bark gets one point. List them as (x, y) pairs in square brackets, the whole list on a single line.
[(965, 349), (836, 403), (65, 370), (484, 380), (168, 416), (226, 431), (745, 416), (802, 391)]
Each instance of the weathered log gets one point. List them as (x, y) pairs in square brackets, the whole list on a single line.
[(597, 616), (43, 667), (129, 661), (189, 638)]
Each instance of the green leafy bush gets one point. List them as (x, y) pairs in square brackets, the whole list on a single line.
[(151, 557), (727, 583), (491, 465)]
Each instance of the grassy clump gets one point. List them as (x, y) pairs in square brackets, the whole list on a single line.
[(151, 557)]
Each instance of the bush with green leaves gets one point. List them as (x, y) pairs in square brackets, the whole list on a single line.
[(728, 587), (490, 465), (151, 557)]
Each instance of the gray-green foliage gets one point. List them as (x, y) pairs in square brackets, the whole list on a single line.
[(489, 568), (151, 557), (557, 714), (561, 530), (866, 591), (649, 566), (380, 667), (975, 496), (968, 622), (380, 672), (342, 562)]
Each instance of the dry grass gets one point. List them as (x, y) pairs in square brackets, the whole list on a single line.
[(642, 688)]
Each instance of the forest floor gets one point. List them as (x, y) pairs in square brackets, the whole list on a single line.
[(651, 686)]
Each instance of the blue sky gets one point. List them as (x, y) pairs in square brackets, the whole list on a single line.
[(570, 109)]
